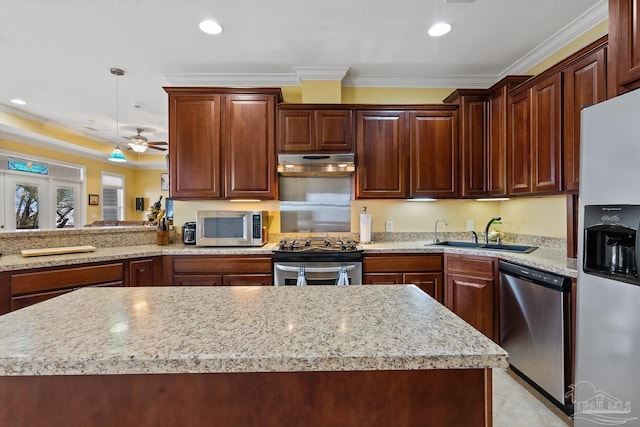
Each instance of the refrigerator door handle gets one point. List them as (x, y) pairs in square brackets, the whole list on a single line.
[(637, 249)]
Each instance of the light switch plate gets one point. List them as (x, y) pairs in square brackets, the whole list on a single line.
[(388, 225), (470, 225)]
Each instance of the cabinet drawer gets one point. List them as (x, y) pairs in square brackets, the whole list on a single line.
[(478, 266), (221, 264), (402, 263), (23, 283), (197, 280), (383, 278), (247, 280)]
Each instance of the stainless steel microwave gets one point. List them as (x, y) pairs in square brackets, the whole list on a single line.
[(230, 228)]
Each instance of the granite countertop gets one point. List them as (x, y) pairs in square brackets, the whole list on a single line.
[(552, 260), (240, 329)]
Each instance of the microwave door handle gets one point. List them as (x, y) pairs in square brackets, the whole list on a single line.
[(636, 250)]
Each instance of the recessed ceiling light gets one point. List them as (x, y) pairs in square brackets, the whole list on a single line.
[(19, 101), (210, 27), (439, 29)]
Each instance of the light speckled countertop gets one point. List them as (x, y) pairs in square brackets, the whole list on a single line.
[(552, 260), (240, 329)]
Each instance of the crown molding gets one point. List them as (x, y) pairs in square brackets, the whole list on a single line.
[(232, 79), (320, 73), (595, 15), (418, 81)]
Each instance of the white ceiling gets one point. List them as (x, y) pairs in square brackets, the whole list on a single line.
[(56, 55)]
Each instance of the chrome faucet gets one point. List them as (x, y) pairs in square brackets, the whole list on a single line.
[(435, 233), (486, 229), (474, 238)]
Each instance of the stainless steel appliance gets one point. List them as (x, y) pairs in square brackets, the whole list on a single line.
[(319, 164), (230, 228), (535, 328), (607, 387), (189, 233), (317, 261)]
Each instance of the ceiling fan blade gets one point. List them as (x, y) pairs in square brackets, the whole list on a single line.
[(157, 143), (152, 147)]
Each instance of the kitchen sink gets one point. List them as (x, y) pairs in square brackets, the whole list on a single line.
[(489, 246)]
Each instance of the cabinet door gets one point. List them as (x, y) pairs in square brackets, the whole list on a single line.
[(333, 130), (194, 146), (497, 143), (519, 148), (381, 151), (434, 153), (249, 146), (382, 278), (296, 131), (546, 135), (141, 272), (471, 298), (585, 84), (473, 170), (247, 280), (624, 39), (430, 283), (197, 280)]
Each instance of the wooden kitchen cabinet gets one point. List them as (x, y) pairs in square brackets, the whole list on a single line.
[(28, 287), (624, 44), (496, 131), (194, 146), (422, 270), (145, 272), (535, 139), (248, 144), (221, 270), (381, 150), (585, 83), (222, 143), (310, 130), (470, 291), (472, 105), (433, 147)]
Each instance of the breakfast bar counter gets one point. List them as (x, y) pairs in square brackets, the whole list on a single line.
[(323, 355)]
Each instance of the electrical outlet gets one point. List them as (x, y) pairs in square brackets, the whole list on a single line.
[(470, 225), (388, 226)]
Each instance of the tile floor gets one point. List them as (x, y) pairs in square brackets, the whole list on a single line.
[(517, 404)]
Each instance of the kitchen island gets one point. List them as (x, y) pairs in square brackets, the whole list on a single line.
[(323, 355)]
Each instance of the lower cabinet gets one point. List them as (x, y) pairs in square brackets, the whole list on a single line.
[(422, 270), (222, 270), (28, 287), (145, 272), (470, 291)]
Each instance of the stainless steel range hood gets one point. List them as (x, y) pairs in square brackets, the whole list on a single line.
[(317, 164)]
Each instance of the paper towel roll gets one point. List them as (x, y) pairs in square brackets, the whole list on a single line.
[(365, 228)]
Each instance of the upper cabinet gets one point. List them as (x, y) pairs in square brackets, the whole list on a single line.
[(407, 153), (194, 145), (433, 148), (472, 104), (381, 150), (624, 42), (222, 143), (585, 83), (496, 135), (308, 129)]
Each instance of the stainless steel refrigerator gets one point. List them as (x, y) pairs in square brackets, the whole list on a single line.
[(607, 386)]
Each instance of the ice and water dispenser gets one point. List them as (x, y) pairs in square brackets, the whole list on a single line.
[(611, 241)]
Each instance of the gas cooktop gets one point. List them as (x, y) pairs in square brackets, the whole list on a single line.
[(318, 244)]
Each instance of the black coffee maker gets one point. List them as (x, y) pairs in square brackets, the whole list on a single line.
[(611, 241)]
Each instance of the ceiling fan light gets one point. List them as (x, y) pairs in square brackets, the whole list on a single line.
[(117, 155), (138, 147)]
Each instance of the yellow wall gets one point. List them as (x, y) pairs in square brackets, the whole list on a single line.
[(394, 95), (321, 92)]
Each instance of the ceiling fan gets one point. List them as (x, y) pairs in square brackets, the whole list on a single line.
[(139, 143)]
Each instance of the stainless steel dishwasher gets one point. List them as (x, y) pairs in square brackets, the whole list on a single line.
[(535, 329)]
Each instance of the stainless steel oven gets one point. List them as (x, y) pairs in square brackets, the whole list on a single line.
[(317, 262)]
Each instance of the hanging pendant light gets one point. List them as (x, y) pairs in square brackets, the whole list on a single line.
[(117, 155)]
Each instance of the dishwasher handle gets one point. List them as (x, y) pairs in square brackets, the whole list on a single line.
[(539, 277)]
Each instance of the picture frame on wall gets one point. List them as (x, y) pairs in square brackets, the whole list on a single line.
[(94, 200), (164, 181)]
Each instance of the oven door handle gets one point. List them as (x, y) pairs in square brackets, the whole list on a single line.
[(348, 267)]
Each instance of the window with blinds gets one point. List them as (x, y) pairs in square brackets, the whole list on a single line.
[(112, 197)]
